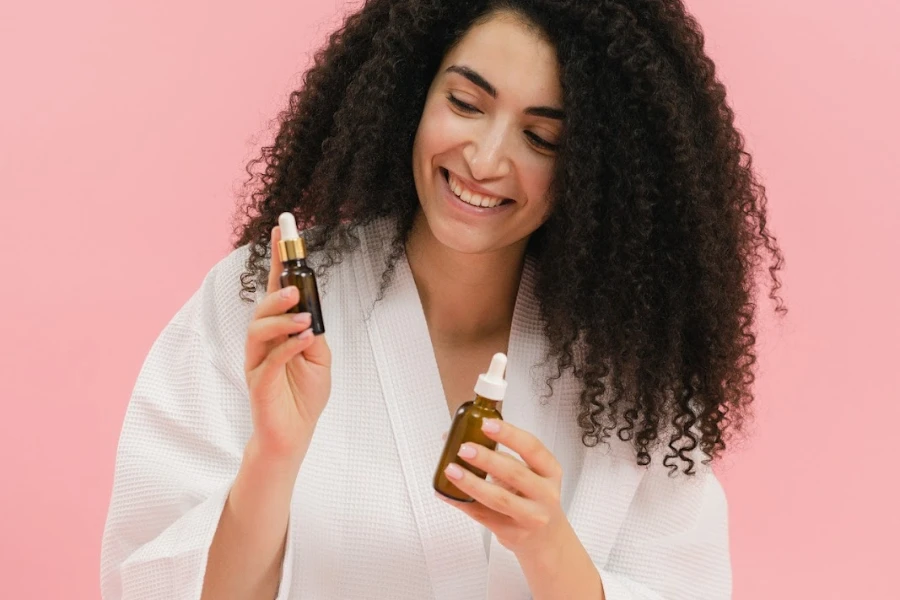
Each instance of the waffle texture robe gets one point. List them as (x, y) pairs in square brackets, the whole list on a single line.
[(364, 522)]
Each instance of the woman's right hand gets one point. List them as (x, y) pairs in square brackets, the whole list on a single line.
[(289, 377)]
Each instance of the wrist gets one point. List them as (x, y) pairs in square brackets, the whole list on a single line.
[(561, 568), (552, 549), (274, 469), (265, 481), (278, 455)]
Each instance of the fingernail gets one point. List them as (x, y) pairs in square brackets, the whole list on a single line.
[(453, 471), (466, 451), (490, 425), (301, 317), (287, 292), (306, 333)]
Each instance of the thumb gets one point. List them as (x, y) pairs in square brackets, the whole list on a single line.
[(318, 352)]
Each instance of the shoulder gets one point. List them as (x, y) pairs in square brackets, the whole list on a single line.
[(216, 312), (220, 310)]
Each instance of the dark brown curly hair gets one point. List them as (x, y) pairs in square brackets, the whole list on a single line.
[(647, 264)]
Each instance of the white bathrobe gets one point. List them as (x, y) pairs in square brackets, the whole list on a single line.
[(364, 522)]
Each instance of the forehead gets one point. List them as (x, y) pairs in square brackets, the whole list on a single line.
[(514, 57)]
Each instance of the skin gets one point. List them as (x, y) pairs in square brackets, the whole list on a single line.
[(495, 147), (467, 269), (452, 256)]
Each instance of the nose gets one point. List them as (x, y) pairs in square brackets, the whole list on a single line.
[(487, 156)]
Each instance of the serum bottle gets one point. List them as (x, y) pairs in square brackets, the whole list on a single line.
[(466, 427), (292, 251)]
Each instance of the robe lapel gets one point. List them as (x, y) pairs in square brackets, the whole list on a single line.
[(607, 482), (526, 409), (602, 498), (453, 543), (607, 478)]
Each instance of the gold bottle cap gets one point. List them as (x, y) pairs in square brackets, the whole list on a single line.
[(292, 249)]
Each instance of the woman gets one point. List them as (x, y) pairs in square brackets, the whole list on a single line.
[(611, 254)]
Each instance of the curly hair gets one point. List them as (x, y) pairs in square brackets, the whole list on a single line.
[(647, 264)]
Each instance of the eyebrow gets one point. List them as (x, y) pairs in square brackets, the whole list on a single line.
[(473, 76)]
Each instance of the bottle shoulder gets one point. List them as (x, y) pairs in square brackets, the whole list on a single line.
[(296, 268), (474, 410)]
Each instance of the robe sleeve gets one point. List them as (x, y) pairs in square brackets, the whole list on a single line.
[(179, 451), (673, 544)]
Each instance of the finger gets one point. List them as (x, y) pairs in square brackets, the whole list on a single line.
[(501, 483), (318, 351), (275, 262), (530, 448), (281, 354), (261, 333), (278, 302), (512, 472), (491, 519), (268, 328), (494, 497)]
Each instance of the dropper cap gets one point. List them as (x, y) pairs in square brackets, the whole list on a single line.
[(491, 385), (291, 246)]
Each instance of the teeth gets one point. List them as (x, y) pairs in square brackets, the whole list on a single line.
[(471, 198)]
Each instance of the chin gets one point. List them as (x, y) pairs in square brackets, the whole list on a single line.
[(458, 236), (461, 233)]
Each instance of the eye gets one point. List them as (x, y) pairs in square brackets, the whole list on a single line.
[(541, 142), (467, 108)]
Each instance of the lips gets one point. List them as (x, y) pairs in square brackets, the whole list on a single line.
[(471, 196)]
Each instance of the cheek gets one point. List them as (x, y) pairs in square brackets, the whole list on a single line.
[(536, 178), (439, 131)]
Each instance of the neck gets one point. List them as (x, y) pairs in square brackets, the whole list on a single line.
[(467, 298)]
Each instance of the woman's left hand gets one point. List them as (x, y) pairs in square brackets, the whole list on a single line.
[(521, 505)]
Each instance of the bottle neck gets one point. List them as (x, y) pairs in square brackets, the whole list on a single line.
[(483, 402), (293, 262)]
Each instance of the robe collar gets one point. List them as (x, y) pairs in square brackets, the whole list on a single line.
[(453, 543)]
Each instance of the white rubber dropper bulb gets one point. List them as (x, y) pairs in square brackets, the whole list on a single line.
[(288, 226), (491, 385)]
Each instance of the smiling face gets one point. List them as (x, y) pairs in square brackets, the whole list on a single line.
[(487, 137)]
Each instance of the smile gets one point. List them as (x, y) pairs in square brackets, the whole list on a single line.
[(460, 190)]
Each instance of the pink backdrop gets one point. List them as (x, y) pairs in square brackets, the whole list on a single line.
[(125, 128)]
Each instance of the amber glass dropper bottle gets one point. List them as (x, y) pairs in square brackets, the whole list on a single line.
[(292, 252), (466, 427)]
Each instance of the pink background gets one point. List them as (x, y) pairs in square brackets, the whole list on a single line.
[(124, 131)]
